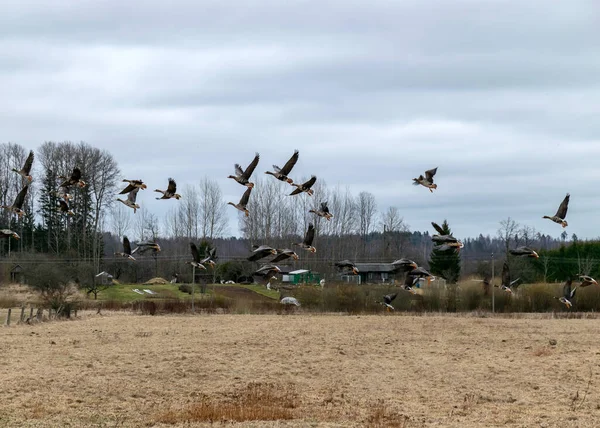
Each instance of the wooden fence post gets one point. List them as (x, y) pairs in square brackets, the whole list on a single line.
[(22, 318), (8, 317), (39, 314), (31, 312)]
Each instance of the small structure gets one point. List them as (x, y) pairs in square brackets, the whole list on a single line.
[(17, 275), (377, 273), (104, 278), (303, 276)]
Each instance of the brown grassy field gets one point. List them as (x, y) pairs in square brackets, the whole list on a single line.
[(301, 370)]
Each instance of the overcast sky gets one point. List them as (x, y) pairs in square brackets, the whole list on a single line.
[(502, 96)]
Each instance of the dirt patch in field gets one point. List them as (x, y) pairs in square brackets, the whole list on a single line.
[(241, 294), (300, 371)]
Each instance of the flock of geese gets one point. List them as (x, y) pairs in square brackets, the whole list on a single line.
[(414, 273)]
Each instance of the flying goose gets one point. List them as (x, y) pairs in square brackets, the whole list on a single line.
[(347, 264), (63, 193), (304, 187), (281, 174), (560, 215), (261, 252), (284, 254), (145, 246), (210, 258), (196, 262), (587, 280), (75, 179), (7, 233), (130, 201), (443, 241), (426, 181), (508, 285), (524, 252), (126, 249), (63, 207), (413, 276), (308, 239), (405, 264), (133, 184), (25, 171), (17, 205), (267, 271), (323, 211), (171, 191), (568, 294), (242, 176), (387, 301), (243, 202)]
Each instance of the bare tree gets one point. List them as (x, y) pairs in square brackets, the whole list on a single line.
[(392, 221), (189, 211), (506, 233), (213, 214), (173, 224), (120, 219)]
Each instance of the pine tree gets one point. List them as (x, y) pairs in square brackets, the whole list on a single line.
[(445, 263)]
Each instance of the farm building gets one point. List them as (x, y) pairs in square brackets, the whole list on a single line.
[(375, 273), (302, 276), (17, 275)]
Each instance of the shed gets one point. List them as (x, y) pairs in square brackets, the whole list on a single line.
[(17, 275), (303, 276), (379, 272), (104, 278)]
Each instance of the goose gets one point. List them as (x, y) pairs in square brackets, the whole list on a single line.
[(171, 191), (560, 215), (289, 301), (413, 276), (63, 207), (261, 252), (284, 254), (133, 184), (445, 241), (323, 211), (426, 181), (243, 202), (387, 301), (126, 249), (524, 252), (74, 180), (196, 262), (130, 201), (145, 246), (568, 294), (305, 187), (587, 280), (347, 264), (267, 271), (7, 233), (405, 264), (25, 171), (508, 285), (281, 174), (63, 193), (242, 176), (308, 239), (17, 205), (210, 258)]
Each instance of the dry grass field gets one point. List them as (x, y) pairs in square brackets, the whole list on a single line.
[(300, 370)]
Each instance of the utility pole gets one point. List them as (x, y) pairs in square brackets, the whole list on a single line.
[(193, 286), (493, 287)]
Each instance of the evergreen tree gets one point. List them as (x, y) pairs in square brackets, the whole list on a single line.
[(445, 263)]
